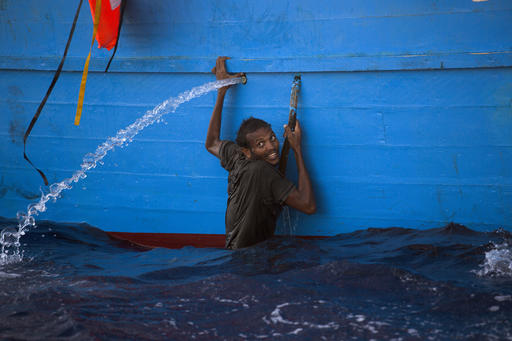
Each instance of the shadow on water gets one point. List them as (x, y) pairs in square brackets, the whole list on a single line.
[(77, 283)]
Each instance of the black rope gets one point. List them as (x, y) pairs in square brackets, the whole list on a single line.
[(43, 102), (123, 5)]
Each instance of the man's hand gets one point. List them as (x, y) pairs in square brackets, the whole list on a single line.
[(221, 73), (212, 143), (301, 198), (294, 137)]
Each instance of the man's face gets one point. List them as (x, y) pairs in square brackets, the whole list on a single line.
[(263, 146)]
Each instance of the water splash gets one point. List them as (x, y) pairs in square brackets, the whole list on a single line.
[(10, 236), (498, 261), (290, 221)]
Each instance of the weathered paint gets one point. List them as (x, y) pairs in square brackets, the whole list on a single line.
[(406, 109)]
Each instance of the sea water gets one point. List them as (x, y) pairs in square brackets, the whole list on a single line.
[(75, 283)]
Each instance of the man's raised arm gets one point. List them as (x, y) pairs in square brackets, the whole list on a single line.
[(302, 198), (212, 143)]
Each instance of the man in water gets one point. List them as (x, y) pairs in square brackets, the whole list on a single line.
[(256, 189)]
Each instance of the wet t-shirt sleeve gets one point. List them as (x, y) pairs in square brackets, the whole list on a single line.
[(228, 152)]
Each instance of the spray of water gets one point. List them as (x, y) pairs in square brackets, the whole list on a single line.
[(10, 236), (290, 221), (498, 261)]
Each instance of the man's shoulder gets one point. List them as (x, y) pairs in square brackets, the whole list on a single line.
[(227, 145), (229, 154), (262, 167)]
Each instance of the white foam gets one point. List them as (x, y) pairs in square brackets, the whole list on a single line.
[(503, 298), (412, 331), (276, 317), (360, 318), (296, 331), (172, 323), (498, 261), (8, 275)]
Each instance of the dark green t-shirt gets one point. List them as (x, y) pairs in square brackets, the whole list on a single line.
[(256, 193)]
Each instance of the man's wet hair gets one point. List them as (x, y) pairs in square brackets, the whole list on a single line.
[(248, 126)]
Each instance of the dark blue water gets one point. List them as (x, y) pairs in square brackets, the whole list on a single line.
[(440, 284)]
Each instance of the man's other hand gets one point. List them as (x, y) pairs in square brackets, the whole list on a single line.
[(294, 137)]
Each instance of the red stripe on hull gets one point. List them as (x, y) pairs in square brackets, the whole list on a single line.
[(171, 240), (177, 240)]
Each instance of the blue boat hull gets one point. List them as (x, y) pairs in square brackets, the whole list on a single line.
[(406, 110)]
